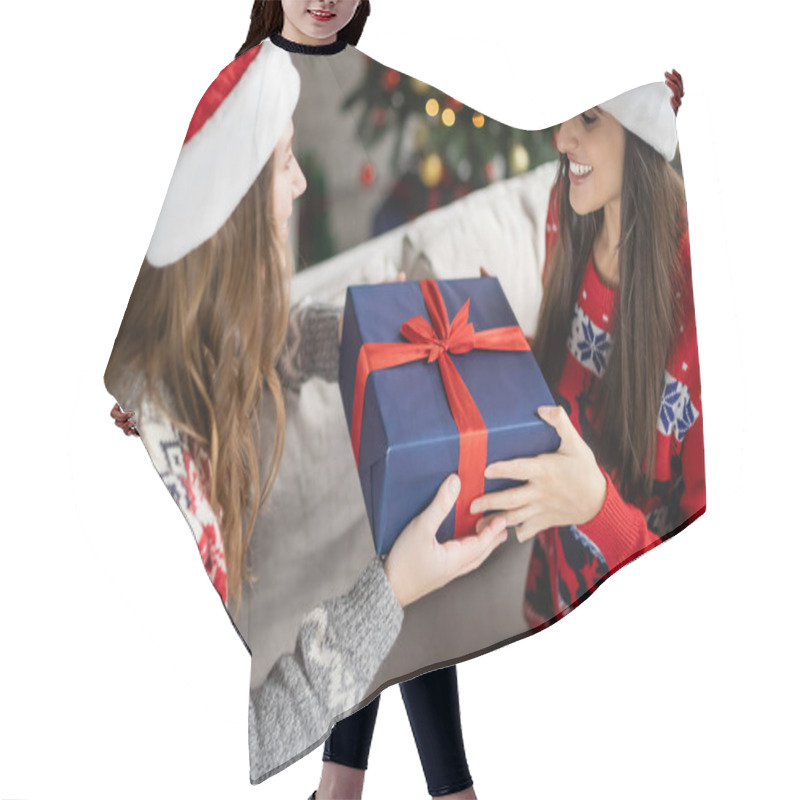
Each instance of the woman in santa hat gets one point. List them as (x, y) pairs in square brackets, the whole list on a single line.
[(431, 699), (617, 343), (202, 334)]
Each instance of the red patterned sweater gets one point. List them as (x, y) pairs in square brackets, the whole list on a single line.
[(568, 563)]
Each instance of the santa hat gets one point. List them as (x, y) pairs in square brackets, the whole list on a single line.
[(649, 111), (233, 132)]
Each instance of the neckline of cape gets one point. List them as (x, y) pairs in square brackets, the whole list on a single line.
[(308, 49)]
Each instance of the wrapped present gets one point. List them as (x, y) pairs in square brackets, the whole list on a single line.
[(436, 378)]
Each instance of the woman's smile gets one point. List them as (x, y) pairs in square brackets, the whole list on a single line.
[(321, 16), (578, 173)]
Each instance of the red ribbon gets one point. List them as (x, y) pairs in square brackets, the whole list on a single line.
[(435, 342)]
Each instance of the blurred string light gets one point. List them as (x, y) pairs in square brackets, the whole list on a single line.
[(453, 144)]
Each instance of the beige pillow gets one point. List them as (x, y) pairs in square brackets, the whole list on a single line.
[(327, 282), (500, 228)]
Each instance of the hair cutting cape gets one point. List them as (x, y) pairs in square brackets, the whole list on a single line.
[(400, 177)]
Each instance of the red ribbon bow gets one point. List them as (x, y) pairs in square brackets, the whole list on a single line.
[(435, 341)]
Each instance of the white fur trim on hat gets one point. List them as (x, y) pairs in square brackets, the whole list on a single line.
[(220, 160), (648, 113)]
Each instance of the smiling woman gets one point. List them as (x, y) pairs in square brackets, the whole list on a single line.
[(307, 22), (318, 21), (617, 341), (594, 143)]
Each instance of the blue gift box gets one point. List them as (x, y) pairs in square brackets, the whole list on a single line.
[(409, 441)]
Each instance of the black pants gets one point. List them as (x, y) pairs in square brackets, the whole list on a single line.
[(432, 705)]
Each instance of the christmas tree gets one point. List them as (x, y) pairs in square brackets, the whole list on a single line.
[(457, 149)]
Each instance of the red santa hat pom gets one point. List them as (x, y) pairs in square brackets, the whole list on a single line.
[(233, 132), (649, 112)]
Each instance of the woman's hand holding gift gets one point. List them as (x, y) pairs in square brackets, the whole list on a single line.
[(566, 487), (418, 564)]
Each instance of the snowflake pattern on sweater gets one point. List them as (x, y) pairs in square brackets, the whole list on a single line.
[(311, 349), (588, 343), (177, 466), (569, 563), (677, 413)]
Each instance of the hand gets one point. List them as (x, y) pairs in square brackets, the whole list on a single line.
[(562, 488), (124, 420), (418, 564)]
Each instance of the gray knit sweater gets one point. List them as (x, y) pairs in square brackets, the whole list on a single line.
[(342, 642)]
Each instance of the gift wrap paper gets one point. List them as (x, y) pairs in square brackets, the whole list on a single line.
[(409, 441)]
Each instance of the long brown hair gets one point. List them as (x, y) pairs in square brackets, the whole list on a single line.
[(646, 314), (204, 333), (266, 18)]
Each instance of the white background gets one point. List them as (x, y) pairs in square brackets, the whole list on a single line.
[(121, 676)]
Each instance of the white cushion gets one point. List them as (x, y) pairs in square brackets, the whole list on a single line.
[(499, 228)]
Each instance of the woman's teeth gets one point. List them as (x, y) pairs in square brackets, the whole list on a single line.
[(579, 169), (324, 15)]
